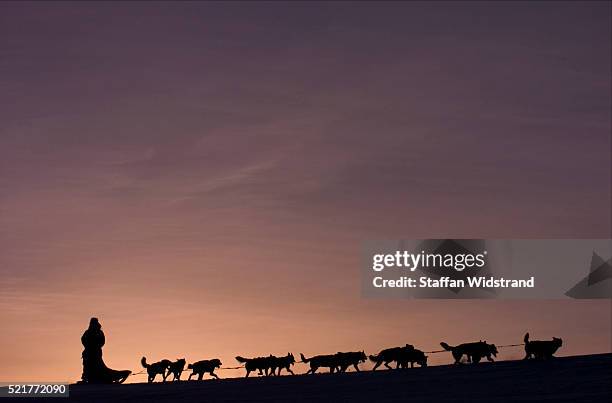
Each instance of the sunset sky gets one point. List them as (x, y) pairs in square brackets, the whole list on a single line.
[(200, 176)]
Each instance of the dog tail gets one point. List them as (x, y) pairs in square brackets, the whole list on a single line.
[(526, 338), (374, 358), (304, 359), (446, 346), (143, 361), (241, 360)]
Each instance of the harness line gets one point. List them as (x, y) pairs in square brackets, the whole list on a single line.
[(302, 362)]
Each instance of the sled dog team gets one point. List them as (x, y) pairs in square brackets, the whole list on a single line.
[(341, 361)]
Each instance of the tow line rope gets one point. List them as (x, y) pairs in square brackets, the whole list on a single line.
[(301, 362), (504, 346)]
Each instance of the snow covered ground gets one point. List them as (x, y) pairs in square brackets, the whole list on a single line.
[(567, 379)]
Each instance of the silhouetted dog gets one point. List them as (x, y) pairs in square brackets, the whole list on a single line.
[(474, 351), (159, 367), (412, 356), (345, 360), (389, 355), (318, 361), (204, 366), (541, 349), (282, 362), (176, 368), (259, 363)]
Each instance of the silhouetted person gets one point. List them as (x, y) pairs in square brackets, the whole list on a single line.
[(94, 369)]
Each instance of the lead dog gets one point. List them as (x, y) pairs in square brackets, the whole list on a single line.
[(541, 349)]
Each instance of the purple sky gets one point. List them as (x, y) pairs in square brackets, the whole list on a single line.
[(227, 157)]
